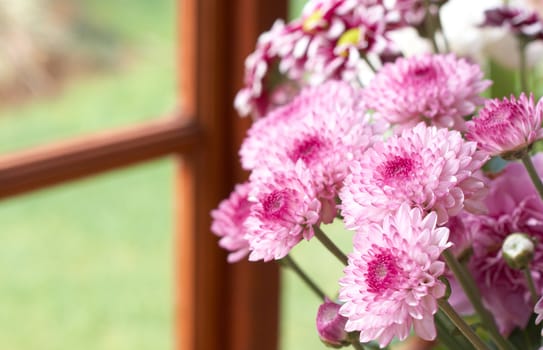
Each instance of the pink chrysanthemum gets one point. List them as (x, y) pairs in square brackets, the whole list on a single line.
[(228, 222), (508, 125), (391, 282), (437, 89), (513, 206), (284, 210), (430, 168), (320, 129), (334, 108)]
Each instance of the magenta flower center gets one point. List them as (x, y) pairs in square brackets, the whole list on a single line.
[(499, 118), (306, 149), (383, 273), (275, 204), (422, 74), (397, 169)]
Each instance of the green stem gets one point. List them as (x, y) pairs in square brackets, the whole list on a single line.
[(445, 41), (323, 238), (354, 339), (442, 33), (434, 43), (287, 261), (462, 326), (527, 161), (430, 26), (531, 285), (444, 333), (372, 67), (356, 344), (469, 287)]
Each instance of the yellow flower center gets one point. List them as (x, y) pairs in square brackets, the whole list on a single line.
[(312, 21), (349, 38)]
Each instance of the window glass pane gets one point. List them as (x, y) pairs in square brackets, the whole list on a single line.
[(298, 303), (295, 7), (89, 265), (69, 67)]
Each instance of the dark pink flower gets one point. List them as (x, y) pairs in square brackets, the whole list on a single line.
[(513, 206), (521, 22), (331, 325), (256, 97)]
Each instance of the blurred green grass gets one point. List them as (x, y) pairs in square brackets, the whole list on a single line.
[(89, 265), (142, 86), (298, 304)]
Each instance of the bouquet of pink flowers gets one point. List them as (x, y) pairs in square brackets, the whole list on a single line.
[(432, 170)]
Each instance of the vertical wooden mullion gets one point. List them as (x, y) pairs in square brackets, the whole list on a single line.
[(256, 302), (185, 309), (202, 271), (219, 306)]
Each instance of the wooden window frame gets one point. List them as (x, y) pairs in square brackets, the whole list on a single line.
[(217, 305)]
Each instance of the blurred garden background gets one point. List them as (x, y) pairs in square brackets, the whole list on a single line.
[(88, 265)]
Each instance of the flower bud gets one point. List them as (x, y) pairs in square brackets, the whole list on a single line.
[(518, 250), (331, 325)]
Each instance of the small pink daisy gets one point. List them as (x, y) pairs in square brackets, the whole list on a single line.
[(392, 280), (333, 36), (228, 222), (430, 168), (353, 32), (283, 212), (507, 126), (256, 96), (438, 89)]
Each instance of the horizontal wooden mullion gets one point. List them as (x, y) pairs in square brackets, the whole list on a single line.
[(43, 166)]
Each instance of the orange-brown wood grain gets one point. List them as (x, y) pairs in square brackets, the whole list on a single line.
[(47, 165), (226, 306)]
